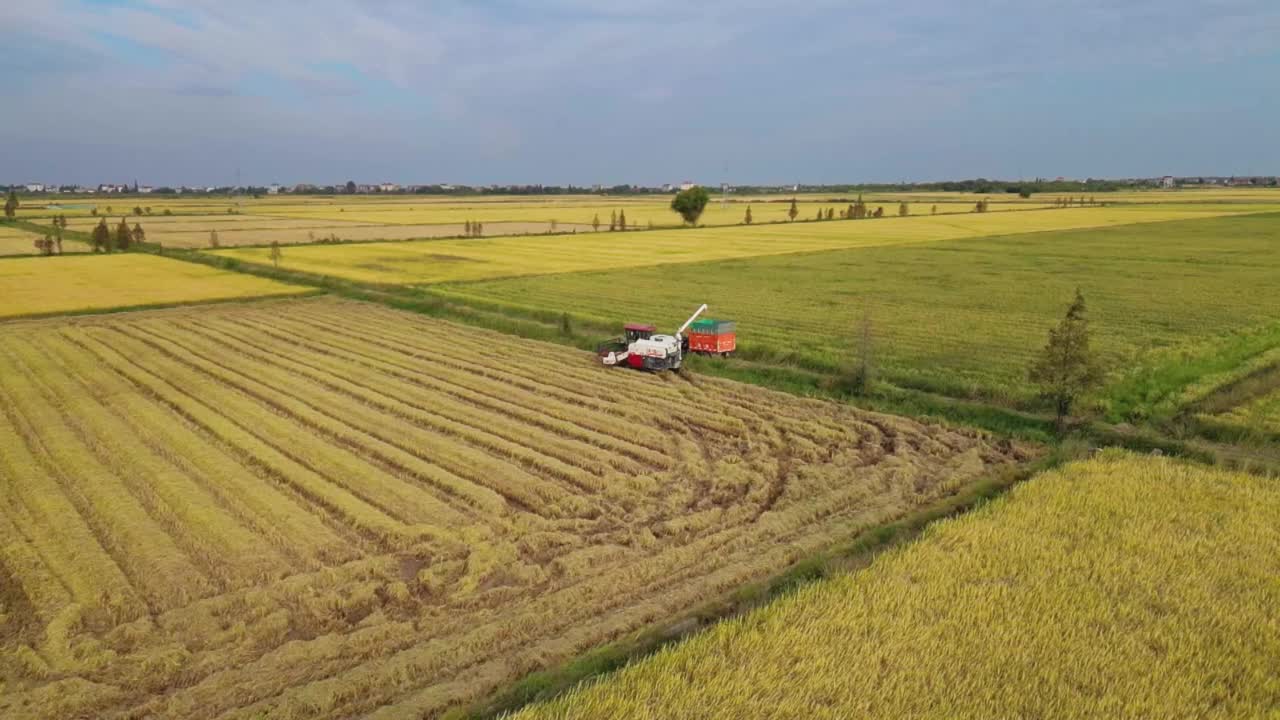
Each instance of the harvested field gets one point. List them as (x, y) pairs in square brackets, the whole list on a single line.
[(86, 283), (1124, 587), (378, 513)]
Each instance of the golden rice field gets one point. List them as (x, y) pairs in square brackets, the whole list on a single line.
[(16, 241), (319, 508), (87, 283), (1119, 587), (466, 260)]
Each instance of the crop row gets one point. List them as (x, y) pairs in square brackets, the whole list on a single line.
[(320, 508)]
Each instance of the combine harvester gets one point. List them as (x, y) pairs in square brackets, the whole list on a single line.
[(641, 349)]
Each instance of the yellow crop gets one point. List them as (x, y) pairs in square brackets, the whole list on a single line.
[(453, 260), (47, 285), (1123, 587), (321, 508)]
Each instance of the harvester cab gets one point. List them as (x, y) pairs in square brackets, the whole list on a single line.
[(642, 349)]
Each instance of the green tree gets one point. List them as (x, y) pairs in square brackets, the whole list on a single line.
[(622, 219), (94, 211), (747, 217), (57, 237), (879, 212), (793, 211), (1067, 368), (137, 209), (350, 187), (11, 205), (933, 210), (903, 210), (100, 238), (213, 238), (690, 203), (466, 228), (139, 235), (275, 253), (124, 236), (831, 214), (595, 222), (613, 221)]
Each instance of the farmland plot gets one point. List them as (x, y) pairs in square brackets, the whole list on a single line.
[(16, 241), (326, 509), (1124, 587), (963, 317), (87, 283), (466, 260)]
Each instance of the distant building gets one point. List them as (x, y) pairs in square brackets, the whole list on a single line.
[(389, 187), (35, 187), (687, 184), (1166, 181), (273, 189), (146, 190)]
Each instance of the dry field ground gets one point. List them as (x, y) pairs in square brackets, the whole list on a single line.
[(16, 241), (320, 508)]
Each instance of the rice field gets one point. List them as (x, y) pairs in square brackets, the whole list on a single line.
[(88, 283), (1119, 587), (16, 241), (467, 260), (319, 508), (1257, 415), (963, 317)]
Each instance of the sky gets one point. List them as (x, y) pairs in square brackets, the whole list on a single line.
[(643, 92)]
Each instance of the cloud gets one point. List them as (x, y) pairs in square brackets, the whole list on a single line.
[(578, 90)]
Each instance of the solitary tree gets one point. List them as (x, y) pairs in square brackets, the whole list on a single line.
[(213, 238), (124, 236), (100, 238), (595, 222), (137, 209), (793, 211), (466, 228), (57, 237), (1067, 368), (11, 205), (566, 324), (831, 213), (903, 210), (933, 210), (690, 203), (622, 219), (351, 187), (478, 227), (275, 253), (139, 235), (613, 220), (45, 246), (747, 217), (94, 212), (879, 211)]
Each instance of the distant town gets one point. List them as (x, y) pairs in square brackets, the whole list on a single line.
[(979, 185)]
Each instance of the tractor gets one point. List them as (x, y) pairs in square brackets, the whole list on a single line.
[(642, 349)]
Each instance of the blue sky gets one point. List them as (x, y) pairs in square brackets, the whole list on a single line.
[(560, 91)]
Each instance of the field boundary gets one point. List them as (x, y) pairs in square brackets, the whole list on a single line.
[(857, 552)]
